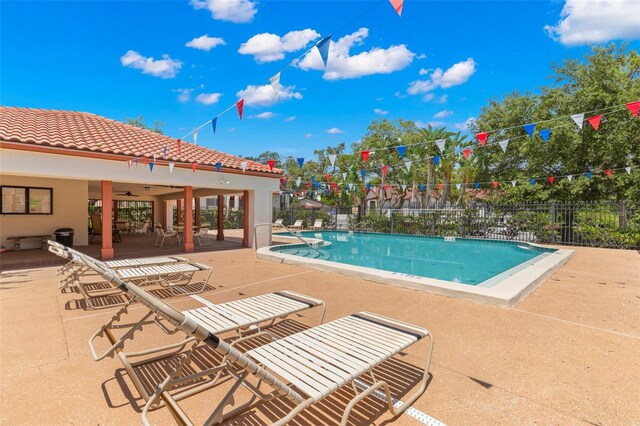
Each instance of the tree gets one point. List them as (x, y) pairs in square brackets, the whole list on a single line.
[(266, 156), (139, 122)]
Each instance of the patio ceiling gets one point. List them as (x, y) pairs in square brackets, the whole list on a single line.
[(166, 192)]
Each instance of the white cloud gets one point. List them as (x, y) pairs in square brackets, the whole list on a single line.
[(267, 47), (421, 56), (265, 95), (341, 65), (443, 114), (422, 124), (184, 95), (208, 98), (163, 68), (264, 115), (400, 95), (423, 71), (205, 42), (308, 135), (380, 111), (458, 74), (466, 125), (335, 131), (428, 97), (237, 11), (289, 119), (596, 21), (443, 99)]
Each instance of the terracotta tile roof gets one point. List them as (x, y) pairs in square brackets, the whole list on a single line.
[(81, 131)]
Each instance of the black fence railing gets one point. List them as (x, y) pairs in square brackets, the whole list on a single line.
[(593, 224), (233, 219)]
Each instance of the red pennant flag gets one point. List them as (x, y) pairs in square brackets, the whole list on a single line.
[(239, 107), (595, 121), (467, 153), (397, 5), (634, 107), (551, 179), (333, 185), (440, 186), (130, 163), (482, 137), (365, 155), (194, 166), (385, 169), (179, 145), (271, 164), (327, 177), (309, 185), (495, 183), (607, 172), (386, 187), (144, 160)]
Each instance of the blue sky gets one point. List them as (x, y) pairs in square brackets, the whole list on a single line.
[(439, 63)]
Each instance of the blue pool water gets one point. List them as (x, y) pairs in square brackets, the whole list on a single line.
[(463, 261)]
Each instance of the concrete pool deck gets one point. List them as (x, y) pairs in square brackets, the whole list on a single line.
[(568, 354)]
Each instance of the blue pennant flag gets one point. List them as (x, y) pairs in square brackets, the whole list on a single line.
[(218, 166), (436, 159), (151, 166), (326, 192), (544, 134), (363, 173), (313, 178), (401, 150), (422, 187), (588, 175), (323, 49), (529, 129), (214, 123), (165, 151), (476, 185), (368, 187), (532, 181), (300, 162)]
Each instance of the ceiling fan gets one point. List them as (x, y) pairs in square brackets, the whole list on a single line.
[(128, 194)]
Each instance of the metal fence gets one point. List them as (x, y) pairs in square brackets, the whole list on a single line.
[(593, 224)]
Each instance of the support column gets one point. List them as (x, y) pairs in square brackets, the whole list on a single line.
[(197, 211), (164, 215), (220, 236), (188, 219), (107, 232), (178, 210), (245, 225)]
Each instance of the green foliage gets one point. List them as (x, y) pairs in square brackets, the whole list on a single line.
[(157, 126)]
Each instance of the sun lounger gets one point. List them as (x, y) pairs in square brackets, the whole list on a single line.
[(278, 222), (297, 224), (317, 225), (304, 367)]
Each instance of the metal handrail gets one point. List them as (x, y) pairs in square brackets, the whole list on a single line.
[(298, 237)]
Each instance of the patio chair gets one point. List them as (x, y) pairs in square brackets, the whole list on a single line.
[(304, 367), (96, 230), (297, 224), (278, 222), (161, 235), (203, 235), (317, 225)]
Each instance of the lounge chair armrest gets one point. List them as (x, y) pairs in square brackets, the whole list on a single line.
[(180, 259), (393, 323), (201, 266), (302, 298)]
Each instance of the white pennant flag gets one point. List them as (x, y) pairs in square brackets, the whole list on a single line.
[(332, 159), (275, 82), (244, 166), (503, 144), (458, 185), (195, 136), (171, 167), (407, 164), (298, 181), (404, 188), (154, 158), (570, 177), (440, 143), (578, 119), (130, 162), (351, 186), (628, 169), (344, 175), (514, 182)]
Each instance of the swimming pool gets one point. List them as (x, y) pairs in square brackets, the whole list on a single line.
[(453, 265)]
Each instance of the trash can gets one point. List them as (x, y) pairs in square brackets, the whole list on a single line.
[(64, 236)]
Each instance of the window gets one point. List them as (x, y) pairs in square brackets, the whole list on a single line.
[(26, 200)]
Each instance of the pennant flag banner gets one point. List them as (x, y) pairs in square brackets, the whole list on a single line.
[(529, 128), (440, 186), (628, 169), (298, 181), (218, 166), (332, 159), (397, 5), (578, 119), (368, 187), (458, 186), (144, 160), (313, 178), (214, 123), (300, 161), (440, 144), (551, 179), (271, 163), (407, 164), (422, 187), (482, 137), (544, 134), (323, 49), (154, 158), (634, 107), (195, 137), (607, 172), (151, 166), (344, 175), (309, 185), (532, 181), (503, 144), (244, 166), (385, 169), (363, 173), (327, 177), (495, 183), (333, 185), (164, 151), (386, 187), (570, 177), (404, 187), (275, 82), (130, 164), (401, 150), (467, 153), (436, 159), (194, 166), (477, 185), (240, 107), (171, 165), (595, 121), (513, 183), (365, 155), (588, 175)]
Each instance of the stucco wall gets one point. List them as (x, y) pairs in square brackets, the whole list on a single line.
[(69, 211)]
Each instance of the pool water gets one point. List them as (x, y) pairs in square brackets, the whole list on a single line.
[(464, 261)]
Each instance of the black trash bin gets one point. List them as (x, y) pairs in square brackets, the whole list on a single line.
[(64, 236)]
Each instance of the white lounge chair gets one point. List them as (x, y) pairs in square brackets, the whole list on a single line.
[(161, 235), (278, 222), (296, 225), (203, 236), (304, 367), (317, 225)]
